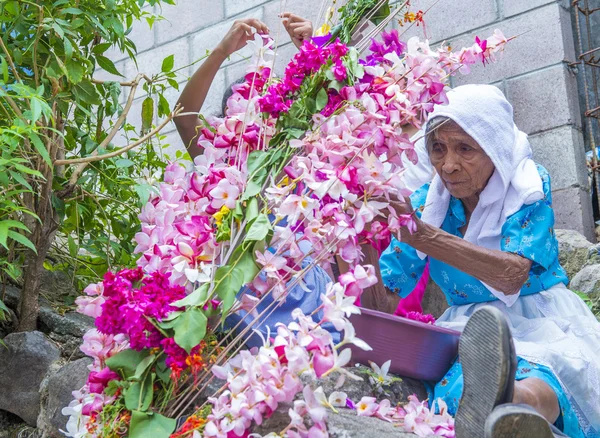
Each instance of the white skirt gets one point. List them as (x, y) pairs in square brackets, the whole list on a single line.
[(556, 329)]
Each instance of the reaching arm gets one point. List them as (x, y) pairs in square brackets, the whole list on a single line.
[(504, 271), (193, 95)]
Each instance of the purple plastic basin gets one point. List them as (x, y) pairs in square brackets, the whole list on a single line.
[(417, 350)]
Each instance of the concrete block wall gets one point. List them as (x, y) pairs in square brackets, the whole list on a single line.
[(533, 72)]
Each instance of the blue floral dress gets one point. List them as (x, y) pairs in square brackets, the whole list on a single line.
[(528, 233)]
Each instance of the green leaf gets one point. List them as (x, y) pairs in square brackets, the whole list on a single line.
[(107, 65), (22, 240), (4, 66), (259, 228), (336, 85), (126, 361), (196, 298), (27, 170), (255, 160), (252, 209), (147, 114), (68, 49), (87, 93), (4, 234), (75, 71), (150, 424), (173, 83), (143, 366), (123, 163), (40, 147), (36, 109), (19, 178), (381, 13), (73, 250), (14, 224), (74, 11), (163, 372), (99, 49), (296, 133), (253, 188), (139, 394), (143, 191), (229, 281), (190, 329), (322, 99), (245, 263), (164, 109), (168, 64), (3, 308), (59, 30), (168, 322)]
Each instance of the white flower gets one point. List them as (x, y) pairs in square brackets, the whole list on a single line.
[(76, 425), (338, 399), (382, 377), (342, 306), (350, 338)]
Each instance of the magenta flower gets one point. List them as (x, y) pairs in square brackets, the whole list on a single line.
[(98, 380)]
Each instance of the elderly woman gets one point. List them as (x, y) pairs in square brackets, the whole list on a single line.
[(485, 224)]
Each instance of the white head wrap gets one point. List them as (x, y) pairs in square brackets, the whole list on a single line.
[(483, 113)]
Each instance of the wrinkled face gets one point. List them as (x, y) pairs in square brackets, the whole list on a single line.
[(461, 163)]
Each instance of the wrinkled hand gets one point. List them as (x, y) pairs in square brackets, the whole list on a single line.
[(404, 218), (299, 29), (240, 33)]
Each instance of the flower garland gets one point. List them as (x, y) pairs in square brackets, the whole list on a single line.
[(308, 160)]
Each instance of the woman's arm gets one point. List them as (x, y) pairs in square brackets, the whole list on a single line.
[(504, 271), (193, 95)]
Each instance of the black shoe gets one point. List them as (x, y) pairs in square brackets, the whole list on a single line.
[(489, 364), (519, 421)]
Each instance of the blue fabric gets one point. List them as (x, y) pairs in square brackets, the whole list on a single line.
[(315, 280), (528, 233), (450, 390)]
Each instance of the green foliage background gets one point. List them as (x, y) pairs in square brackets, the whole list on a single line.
[(52, 109)]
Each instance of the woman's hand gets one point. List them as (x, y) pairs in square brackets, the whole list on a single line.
[(238, 36), (404, 218), (300, 29)]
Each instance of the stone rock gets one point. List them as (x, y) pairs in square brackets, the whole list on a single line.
[(71, 323), (587, 281), (68, 345), (23, 365), (396, 392), (594, 254), (56, 392), (344, 424), (573, 249), (56, 285)]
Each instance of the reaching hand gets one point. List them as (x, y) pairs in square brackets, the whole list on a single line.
[(300, 29), (240, 33), (403, 218)]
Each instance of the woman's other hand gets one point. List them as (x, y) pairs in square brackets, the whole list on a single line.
[(299, 29), (238, 36)]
